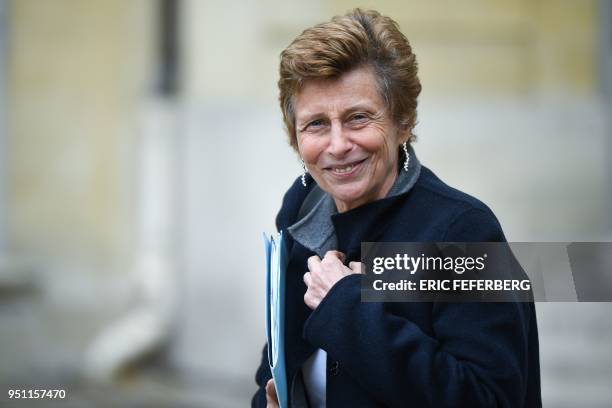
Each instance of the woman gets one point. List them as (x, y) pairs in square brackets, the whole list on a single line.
[(348, 92)]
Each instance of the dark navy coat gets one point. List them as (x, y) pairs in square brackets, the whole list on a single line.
[(407, 354)]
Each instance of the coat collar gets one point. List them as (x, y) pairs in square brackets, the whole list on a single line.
[(318, 230)]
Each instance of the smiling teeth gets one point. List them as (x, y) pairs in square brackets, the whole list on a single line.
[(343, 169)]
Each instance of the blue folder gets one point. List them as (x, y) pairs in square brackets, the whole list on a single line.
[(276, 268)]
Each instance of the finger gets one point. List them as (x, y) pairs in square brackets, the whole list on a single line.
[(313, 262), (307, 279), (271, 392), (335, 254), (356, 267), (309, 300)]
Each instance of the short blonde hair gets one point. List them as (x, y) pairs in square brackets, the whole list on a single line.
[(360, 37)]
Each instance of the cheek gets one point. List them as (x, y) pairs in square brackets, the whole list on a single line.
[(311, 148), (378, 144)]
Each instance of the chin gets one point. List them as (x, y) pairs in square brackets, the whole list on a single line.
[(347, 194)]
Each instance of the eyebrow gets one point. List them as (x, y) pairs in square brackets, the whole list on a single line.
[(360, 106)]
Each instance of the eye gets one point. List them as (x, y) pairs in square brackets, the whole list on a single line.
[(314, 125), (358, 118)]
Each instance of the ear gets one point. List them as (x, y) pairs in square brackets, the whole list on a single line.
[(403, 133)]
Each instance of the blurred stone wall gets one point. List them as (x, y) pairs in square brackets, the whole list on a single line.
[(505, 47), (76, 75), (510, 112)]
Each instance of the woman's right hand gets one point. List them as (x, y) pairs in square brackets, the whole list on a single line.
[(271, 398)]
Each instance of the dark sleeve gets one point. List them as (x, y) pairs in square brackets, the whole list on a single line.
[(475, 225), (477, 356), (262, 376)]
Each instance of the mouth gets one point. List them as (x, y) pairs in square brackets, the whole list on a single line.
[(346, 170)]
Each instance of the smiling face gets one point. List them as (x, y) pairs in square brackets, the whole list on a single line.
[(347, 137)]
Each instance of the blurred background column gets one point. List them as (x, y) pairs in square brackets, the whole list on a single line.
[(3, 128), (605, 74), (146, 328)]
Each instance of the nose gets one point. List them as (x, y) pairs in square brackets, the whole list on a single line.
[(340, 143)]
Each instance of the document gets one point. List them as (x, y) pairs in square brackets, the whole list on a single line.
[(276, 268)]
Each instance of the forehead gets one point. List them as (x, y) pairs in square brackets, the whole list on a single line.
[(357, 86)]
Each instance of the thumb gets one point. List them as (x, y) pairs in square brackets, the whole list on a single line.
[(355, 267)]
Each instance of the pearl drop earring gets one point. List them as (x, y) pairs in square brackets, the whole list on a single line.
[(405, 147), (303, 173)]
